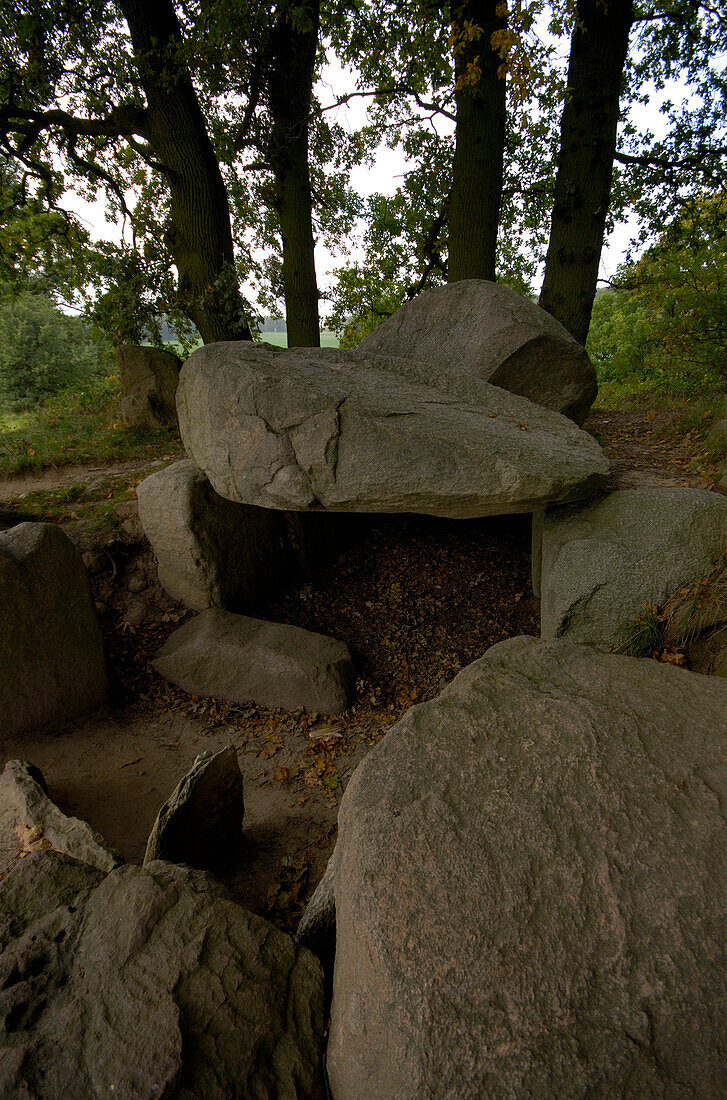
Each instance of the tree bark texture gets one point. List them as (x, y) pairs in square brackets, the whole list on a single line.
[(294, 45), (474, 208), (201, 237), (585, 163)]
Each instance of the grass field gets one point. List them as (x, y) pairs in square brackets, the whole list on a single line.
[(280, 339), (76, 427), (85, 426)]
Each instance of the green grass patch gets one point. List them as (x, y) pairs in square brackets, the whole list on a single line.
[(280, 339), (95, 505), (77, 426)]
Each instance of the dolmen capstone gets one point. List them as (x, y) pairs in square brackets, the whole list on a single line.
[(490, 331), (241, 659), (311, 429), (149, 982), (52, 665), (531, 887), (602, 564)]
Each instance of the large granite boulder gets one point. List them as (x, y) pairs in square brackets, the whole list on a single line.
[(149, 983), (52, 665), (488, 330), (149, 379), (241, 659), (324, 429), (30, 821), (201, 822), (531, 887), (215, 553), (602, 564)]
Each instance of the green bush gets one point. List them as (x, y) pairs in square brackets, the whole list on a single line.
[(43, 351)]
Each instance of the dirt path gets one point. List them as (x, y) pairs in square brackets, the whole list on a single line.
[(15, 488), (641, 456)]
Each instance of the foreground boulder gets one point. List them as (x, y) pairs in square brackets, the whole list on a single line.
[(215, 553), (323, 429), (52, 664), (603, 564), (201, 822), (489, 330), (149, 378), (241, 659), (531, 889), (148, 983), (30, 822)]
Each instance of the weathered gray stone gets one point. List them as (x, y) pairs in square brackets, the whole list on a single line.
[(148, 983), (320, 428), (52, 665), (215, 553), (149, 378), (489, 330), (201, 822), (317, 928), (601, 565), (29, 822), (240, 659), (531, 887)]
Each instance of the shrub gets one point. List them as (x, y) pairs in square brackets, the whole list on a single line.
[(43, 351)]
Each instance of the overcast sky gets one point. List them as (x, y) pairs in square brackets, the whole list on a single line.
[(383, 177)]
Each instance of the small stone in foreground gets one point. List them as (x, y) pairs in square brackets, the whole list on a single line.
[(200, 824), (30, 821), (240, 659)]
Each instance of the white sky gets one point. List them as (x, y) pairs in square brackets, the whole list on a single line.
[(383, 177)]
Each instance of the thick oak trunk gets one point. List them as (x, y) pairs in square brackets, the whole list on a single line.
[(585, 163), (474, 208), (201, 238), (293, 53)]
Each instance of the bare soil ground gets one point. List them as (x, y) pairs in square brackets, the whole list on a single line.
[(415, 598)]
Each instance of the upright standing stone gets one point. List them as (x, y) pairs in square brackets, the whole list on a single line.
[(603, 564), (149, 377), (213, 552), (201, 822), (52, 665)]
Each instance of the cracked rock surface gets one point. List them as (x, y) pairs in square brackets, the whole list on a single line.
[(602, 564), (149, 983), (531, 888), (312, 429), (490, 331)]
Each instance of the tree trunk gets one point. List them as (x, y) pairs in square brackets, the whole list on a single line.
[(474, 208), (201, 238), (585, 162), (290, 81)]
